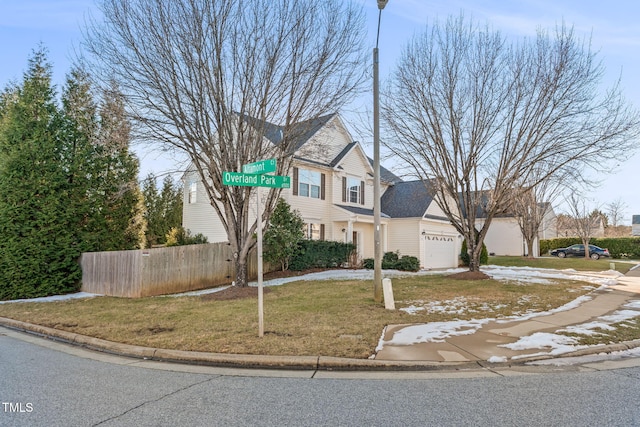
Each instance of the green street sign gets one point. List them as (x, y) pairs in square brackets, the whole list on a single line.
[(258, 168), (254, 180)]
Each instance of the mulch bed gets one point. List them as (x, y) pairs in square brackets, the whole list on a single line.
[(234, 292), (469, 275)]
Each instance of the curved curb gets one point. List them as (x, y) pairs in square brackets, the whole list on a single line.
[(256, 361)]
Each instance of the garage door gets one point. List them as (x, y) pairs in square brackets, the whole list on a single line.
[(439, 251)]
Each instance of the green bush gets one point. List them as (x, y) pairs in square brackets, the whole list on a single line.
[(393, 261), (619, 247), (321, 254), (464, 256), (390, 259), (178, 236), (408, 263)]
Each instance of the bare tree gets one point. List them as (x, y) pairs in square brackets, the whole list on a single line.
[(211, 78), (478, 117), (583, 219), (616, 211)]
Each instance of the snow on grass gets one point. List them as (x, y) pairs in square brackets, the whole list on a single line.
[(54, 298)]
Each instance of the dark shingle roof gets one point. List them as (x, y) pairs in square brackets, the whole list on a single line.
[(360, 211), (385, 174), (300, 132), (406, 199)]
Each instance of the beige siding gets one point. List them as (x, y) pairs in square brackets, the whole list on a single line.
[(504, 237), (200, 217), (327, 143), (403, 236), (354, 166)]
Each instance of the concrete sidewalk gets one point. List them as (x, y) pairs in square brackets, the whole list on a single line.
[(486, 344)]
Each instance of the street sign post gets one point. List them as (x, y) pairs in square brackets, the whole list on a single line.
[(253, 175)]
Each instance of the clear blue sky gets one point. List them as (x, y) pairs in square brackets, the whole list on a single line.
[(612, 26)]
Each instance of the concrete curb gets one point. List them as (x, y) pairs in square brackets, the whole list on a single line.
[(250, 361)]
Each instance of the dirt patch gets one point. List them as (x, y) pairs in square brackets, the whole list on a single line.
[(234, 292), (288, 273), (469, 275)]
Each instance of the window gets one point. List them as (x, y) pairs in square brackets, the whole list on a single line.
[(309, 183), (314, 231), (354, 190), (193, 191)]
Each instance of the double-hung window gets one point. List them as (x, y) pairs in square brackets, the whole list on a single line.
[(353, 186), (309, 183), (193, 191)]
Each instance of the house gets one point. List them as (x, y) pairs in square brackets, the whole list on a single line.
[(332, 188), (635, 225)]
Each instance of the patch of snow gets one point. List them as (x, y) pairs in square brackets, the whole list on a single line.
[(434, 332), (558, 344), (497, 359), (412, 309), (54, 298)]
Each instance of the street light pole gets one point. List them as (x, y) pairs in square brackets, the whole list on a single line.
[(377, 249)]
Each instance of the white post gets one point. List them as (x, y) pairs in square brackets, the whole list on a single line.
[(260, 293), (389, 302)]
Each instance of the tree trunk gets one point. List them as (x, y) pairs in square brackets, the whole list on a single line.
[(530, 249), (242, 275)]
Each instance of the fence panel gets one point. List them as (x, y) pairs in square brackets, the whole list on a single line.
[(159, 271)]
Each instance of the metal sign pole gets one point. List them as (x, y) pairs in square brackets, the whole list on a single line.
[(260, 293)]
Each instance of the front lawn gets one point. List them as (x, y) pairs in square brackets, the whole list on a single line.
[(331, 318)]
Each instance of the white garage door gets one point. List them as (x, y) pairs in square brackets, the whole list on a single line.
[(439, 251)]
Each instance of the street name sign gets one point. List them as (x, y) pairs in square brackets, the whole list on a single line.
[(258, 168), (254, 180)]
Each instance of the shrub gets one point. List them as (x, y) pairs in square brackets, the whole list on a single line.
[(408, 263), (464, 256), (178, 236), (321, 254), (393, 261)]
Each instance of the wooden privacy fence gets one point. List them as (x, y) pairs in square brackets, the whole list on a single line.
[(159, 271)]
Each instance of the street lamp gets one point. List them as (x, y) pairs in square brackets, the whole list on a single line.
[(377, 249)]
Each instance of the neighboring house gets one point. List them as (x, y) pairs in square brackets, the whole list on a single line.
[(635, 225), (332, 188)]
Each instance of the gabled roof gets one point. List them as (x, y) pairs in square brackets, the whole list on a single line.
[(301, 132), (406, 199)]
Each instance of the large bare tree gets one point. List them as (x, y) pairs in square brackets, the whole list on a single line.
[(477, 116), (212, 78)]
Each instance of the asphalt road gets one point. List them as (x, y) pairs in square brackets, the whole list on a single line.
[(43, 383)]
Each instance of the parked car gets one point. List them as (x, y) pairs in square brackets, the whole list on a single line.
[(595, 252)]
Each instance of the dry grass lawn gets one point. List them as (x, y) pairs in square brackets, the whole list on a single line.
[(331, 318)]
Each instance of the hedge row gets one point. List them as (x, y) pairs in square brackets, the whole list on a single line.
[(619, 247), (321, 254)]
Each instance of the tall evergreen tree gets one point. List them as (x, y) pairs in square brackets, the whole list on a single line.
[(163, 210), (38, 250), (79, 128), (122, 210)]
